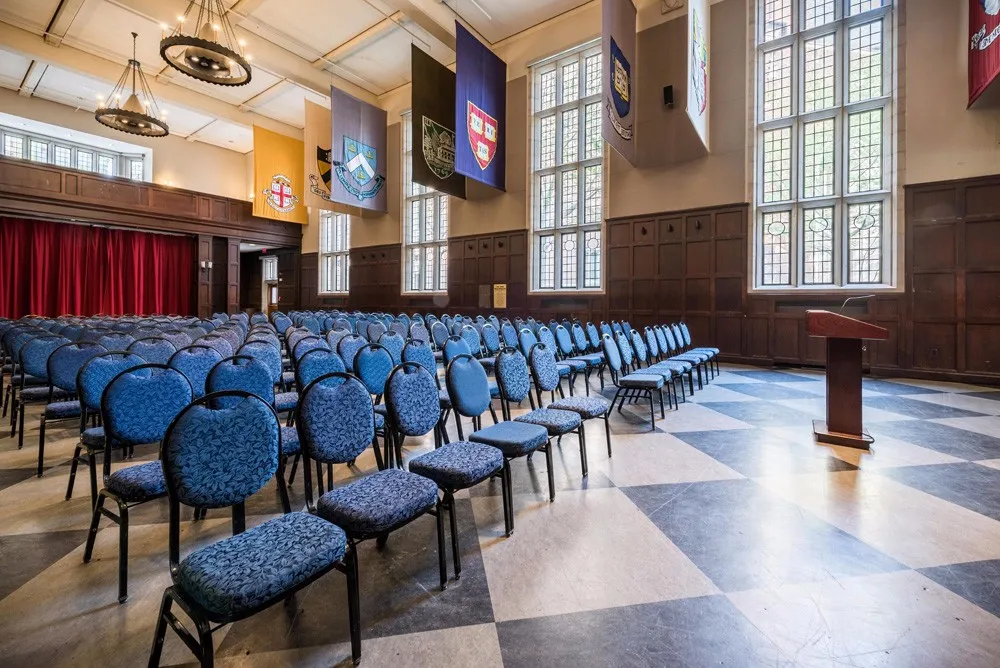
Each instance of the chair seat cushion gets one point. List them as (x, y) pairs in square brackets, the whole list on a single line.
[(41, 393), (238, 574), (445, 399), (31, 381), (693, 358), (706, 349), (381, 409), (290, 441), (593, 359), (458, 464), (563, 369), (680, 366), (513, 438), (93, 437), (658, 370), (286, 401), (587, 407), (288, 378), (575, 364), (488, 363), (378, 502), (141, 482), (556, 421), (62, 410), (494, 390), (642, 380), (379, 420)]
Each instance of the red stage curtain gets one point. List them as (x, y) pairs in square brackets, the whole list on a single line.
[(54, 269)]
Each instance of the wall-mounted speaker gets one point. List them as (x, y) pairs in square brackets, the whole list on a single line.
[(668, 97)]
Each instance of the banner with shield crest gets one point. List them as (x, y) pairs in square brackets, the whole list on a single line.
[(358, 152), (618, 86), (480, 111), (434, 125)]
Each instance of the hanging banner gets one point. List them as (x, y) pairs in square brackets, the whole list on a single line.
[(480, 111), (984, 46), (278, 178), (318, 162), (358, 152), (434, 125), (618, 56), (698, 28)]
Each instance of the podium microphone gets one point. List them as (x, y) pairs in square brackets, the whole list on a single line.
[(850, 299)]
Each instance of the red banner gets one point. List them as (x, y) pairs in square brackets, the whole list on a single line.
[(984, 45)]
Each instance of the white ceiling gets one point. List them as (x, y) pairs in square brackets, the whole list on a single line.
[(72, 51)]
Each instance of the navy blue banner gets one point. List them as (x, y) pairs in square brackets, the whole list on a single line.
[(480, 111)]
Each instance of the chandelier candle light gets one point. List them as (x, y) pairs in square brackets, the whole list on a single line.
[(140, 115), (210, 50)]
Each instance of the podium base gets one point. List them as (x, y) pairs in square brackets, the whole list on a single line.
[(824, 435)]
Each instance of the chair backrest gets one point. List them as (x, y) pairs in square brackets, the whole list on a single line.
[(611, 354), (36, 352), (348, 349), (546, 336), (668, 337), (491, 339), (176, 337), (153, 349), (625, 347), (195, 362), (493, 320), (282, 322), (472, 339), (512, 375), (616, 327), (564, 342), (685, 332), (405, 321), (219, 451), (439, 331), (678, 336), (315, 363), (295, 335), (661, 340), (455, 346), (258, 318), (218, 343), (468, 386), (651, 344), (525, 340), (65, 362), (509, 334), (606, 329), (118, 341), (140, 403), (375, 330), (334, 336), (98, 371), (372, 365), (311, 323), (543, 367), (638, 347), (411, 399), (418, 332), (234, 335), (243, 373), (399, 328), (420, 352), (307, 343), (194, 331), (594, 336), (456, 327), (343, 323), (266, 353), (394, 343), (335, 422)]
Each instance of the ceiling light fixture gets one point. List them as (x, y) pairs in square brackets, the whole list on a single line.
[(208, 50), (140, 115)]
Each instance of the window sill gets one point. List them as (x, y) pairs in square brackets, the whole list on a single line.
[(827, 289), (424, 293), (333, 294), (567, 293)]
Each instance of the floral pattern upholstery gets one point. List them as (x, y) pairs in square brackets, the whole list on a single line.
[(587, 407), (217, 343), (558, 422), (155, 350), (62, 410), (512, 375), (418, 332), (472, 339), (317, 363), (611, 354), (311, 323), (513, 439), (651, 343), (625, 348), (459, 464), (142, 482), (439, 331), (93, 437), (239, 574), (467, 386), (218, 457), (334, 336), (336, 422), (267, 354), (378, 502), (642, 380), (373, 365), (394, 343), (282, 323), (455, 346), (195, 362), (116, 341), (675, 366), (97, 373), (509, 334), (639, 346), (177, 337), (66, 361), (420, 352), (305, 344), (41, 393), (412, 398), (348, 348), (286, 401), (137, 407), (491, 339), (240, 373), (543, 367), (35, 354), (290, 442), (525, 340)]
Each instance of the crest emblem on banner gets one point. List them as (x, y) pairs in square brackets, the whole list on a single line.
[(323, 165), (360, 162), (699, 66), (621, 91), (279, 194), (482, 135), (439, 148)]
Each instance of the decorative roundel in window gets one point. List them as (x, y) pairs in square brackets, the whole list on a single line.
[(569, 243), (547, 246), (776, 229), (864, 221), (819, 225), (592, 243)]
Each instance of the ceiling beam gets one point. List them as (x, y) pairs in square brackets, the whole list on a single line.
[(31, 78), (61, 20), (75, 60), (433, 16), (381, 28)]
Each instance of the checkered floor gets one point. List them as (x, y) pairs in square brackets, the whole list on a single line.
[(724, 538)]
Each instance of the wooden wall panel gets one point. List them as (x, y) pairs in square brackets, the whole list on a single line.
[(204, 277)]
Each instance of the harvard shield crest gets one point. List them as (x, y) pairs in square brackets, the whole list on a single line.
[(279, 195), (439, 148), (361, 163), (482, 135)]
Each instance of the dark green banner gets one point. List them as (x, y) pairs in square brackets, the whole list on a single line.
[(434, 125)]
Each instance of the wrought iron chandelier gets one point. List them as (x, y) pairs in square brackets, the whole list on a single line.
[(139, 114), (205, 47)]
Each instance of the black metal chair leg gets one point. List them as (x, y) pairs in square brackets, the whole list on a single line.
[(458, 423), (72, 471), (123, 553), (205, 640), (92, 461), (607, 430), (161, 631), (453, 516), (283, 489), (494, 414), (20, 426), (551, 473), (652, 413), (41, 446), (295, 466), (353, 602), (88, 551), (583, 450), (442, 558), (508, 498)]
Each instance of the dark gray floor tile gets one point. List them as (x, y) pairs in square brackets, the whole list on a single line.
[(23, 556), (995, 396), (773, 376), (10, 477), (889, 387), (704, 631), (532, 477), (914, 408), (969, 485), (743, 537), (769, 391), (760, 413), (400, 593), (756, 452), (952, 441), (976, 581)]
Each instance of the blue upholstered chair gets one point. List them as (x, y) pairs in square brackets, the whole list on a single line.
[(525, 340), (400, 328), (630, 385), (215, 457), (34, 365), (418, 332), (568, 370), (116, 341), (176, 337), (657, 361), (686, 344), (440, 333), (64, 364), (420, 352), (258, 318), (348, 348), (336, 423), (491, 339), (412, 398), (372, 365), (232, 334), (375, 330), (315, 363), (218, 343), (569, 354), (453, 347), (470, 397), (334, 336), (393, 342), (195, 361), (312, 324), (305, 344), (670, 349), (671, 374), (137, 407), (153, 349), (516, 386)]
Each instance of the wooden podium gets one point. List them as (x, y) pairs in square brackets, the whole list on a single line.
[(843, 376)]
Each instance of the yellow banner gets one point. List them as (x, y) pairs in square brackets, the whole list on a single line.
[(278, 178)]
